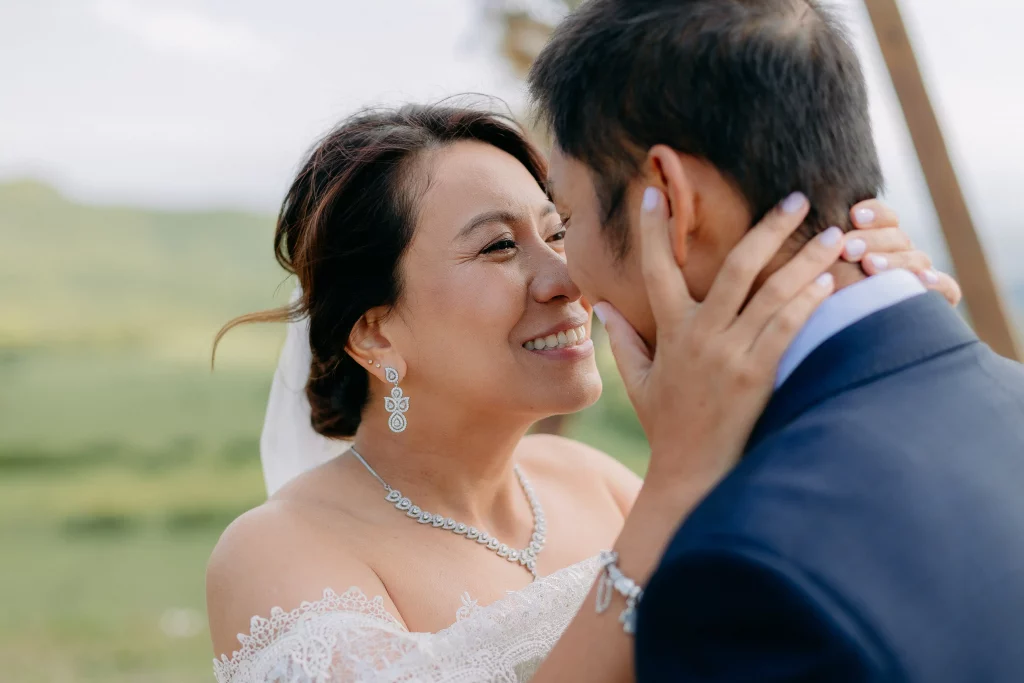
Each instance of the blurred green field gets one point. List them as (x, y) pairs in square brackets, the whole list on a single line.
[(121, 456)]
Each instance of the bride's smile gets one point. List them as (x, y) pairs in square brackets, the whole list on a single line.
[(572, 339), (486, 264)]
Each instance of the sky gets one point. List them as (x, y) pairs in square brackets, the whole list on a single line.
[(200, 104)]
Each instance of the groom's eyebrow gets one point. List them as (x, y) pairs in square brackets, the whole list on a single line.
[(499, 216)]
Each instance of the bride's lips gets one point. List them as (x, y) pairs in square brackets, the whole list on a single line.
[(584, 349), (569, 340)]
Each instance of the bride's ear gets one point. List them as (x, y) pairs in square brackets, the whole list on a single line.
[(369, 346), (665, 170)]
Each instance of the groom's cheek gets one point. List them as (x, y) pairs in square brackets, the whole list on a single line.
[(623, 286), (581, 277), (581, 264)]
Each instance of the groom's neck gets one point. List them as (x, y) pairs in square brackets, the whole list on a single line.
[(847, 274)]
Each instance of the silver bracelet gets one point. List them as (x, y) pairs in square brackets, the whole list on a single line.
[(611, 580)]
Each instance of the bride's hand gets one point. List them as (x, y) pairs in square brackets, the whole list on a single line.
[(700, 392), (878, 244)]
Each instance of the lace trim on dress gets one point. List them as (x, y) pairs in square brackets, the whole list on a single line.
[(352, 638)]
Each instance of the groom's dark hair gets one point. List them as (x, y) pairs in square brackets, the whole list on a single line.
[(770, 92)]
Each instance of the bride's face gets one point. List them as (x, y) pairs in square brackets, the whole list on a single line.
[(483, 281)]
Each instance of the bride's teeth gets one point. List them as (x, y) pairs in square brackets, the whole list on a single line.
[(566, 338)]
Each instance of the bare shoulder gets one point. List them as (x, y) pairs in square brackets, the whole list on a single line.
[(585, 464), (272, 557)]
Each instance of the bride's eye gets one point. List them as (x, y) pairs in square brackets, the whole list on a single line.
[(562, 228), (501, 245)]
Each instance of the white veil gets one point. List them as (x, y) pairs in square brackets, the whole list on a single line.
[(288, 444)]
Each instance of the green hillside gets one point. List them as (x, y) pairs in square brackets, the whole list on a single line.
[(122, 457), (75, 274), (100, 305)]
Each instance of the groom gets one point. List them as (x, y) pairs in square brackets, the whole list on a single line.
[(874, 530)]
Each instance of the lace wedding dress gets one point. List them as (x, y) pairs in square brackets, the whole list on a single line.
[(351, 638)]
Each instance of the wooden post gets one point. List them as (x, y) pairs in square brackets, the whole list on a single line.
[(981, 294)]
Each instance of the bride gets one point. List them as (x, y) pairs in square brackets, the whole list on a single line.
[(445, 545)]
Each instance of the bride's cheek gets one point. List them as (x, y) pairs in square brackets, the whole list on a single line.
[(478, 315)]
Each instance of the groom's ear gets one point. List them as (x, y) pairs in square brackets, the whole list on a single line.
[(665, 170)]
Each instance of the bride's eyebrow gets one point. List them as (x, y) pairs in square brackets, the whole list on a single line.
[(487, 218), (499, 216)]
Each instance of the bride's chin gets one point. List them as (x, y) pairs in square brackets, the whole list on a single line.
[(571, 399)]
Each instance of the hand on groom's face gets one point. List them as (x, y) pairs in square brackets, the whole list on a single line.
[(714, 365)]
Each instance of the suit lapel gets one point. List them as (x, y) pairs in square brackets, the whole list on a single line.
[(894, 338)]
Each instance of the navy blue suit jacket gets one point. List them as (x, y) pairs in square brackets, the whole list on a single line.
[(874, 530)]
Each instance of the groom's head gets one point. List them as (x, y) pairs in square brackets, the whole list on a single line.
[(726, 105)]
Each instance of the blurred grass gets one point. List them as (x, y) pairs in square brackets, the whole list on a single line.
[(122, 457), (88, 607)]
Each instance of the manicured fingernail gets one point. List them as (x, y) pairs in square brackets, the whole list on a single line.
[(650, 201), (825, 280), (879, 262), (930, 277), (831, 237), (864, 216), (855, 249), (600, 312), (794, 202)]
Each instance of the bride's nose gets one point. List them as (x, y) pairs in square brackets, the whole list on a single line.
[(551, 280)]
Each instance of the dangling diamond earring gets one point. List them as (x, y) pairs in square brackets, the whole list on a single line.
[(396, 404)]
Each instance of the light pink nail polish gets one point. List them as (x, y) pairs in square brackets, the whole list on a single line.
[(831, 237), (650, 200), (864, 216), (930, 277), (879, 262), (855, 249), (794, 202)]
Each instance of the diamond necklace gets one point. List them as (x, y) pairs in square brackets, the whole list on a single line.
[(527, 557)]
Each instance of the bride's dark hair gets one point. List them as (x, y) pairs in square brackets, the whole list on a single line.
[(346, 222)]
